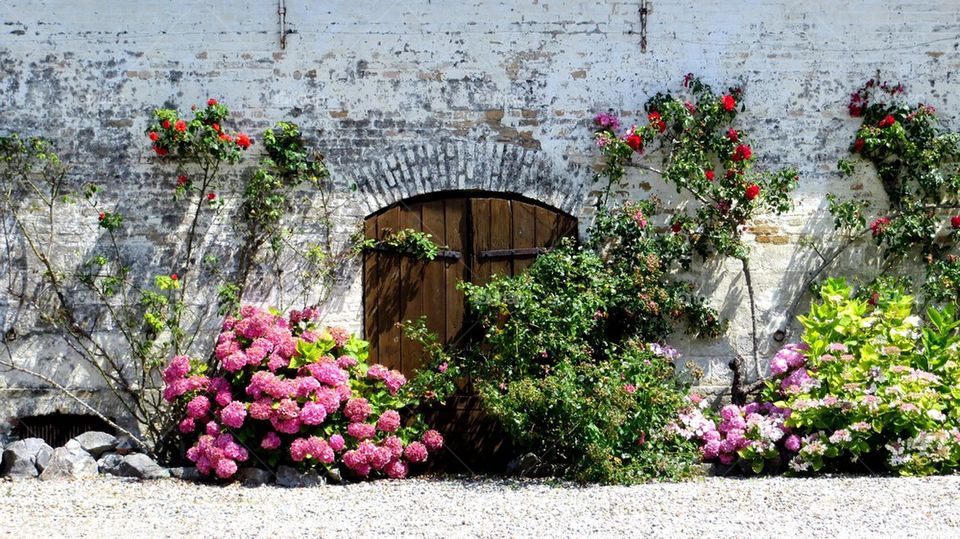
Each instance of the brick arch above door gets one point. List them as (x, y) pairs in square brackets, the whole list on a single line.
[(499, 167)]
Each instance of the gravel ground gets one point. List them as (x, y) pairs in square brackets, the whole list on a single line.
[(463, 507)]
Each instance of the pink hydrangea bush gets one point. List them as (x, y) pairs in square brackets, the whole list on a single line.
[(281, 391)]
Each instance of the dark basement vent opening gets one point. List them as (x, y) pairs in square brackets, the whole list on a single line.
[(57, 429)]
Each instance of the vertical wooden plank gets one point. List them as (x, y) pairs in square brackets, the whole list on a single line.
[(455, 228), (434, 274), (388, 302), (501, 235), (547, 222), (371, 291), (411, 290), (524, 233), (480, 234)]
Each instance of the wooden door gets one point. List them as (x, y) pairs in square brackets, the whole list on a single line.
[(480, 236)]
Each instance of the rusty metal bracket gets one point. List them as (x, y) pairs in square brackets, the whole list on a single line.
[(282, 13), (645, 10)]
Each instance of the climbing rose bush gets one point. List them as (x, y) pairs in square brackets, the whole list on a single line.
[(281, 391)]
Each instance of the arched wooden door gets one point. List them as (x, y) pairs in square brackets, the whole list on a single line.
[(483, 234)]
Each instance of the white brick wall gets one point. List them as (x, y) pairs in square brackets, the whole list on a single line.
[(372, 79)]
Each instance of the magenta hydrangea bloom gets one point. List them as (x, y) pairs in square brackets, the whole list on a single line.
[(377, 371), (797, 381), (328, 372), (792, 443), (226, 468), (337, 442), (178, 368), (212, 429), (361, 431), (329, 398), (198, 407), (395, 445), (233, 414), (415, 452), (389, 421), (345, 362), (313, 413), (340, 336), (396, 469), (270, 441), (394, 381), (357, 409), (261, 409), (306, 386), (356, 462), (234, 362), (187, 425), (433, 440)]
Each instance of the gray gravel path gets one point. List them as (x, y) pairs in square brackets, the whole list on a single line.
[(715, 508)]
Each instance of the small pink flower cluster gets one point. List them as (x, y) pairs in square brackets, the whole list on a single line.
[(291, 404), (755, 431)]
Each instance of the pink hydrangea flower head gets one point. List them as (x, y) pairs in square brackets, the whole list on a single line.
[(345, 392), (356, 462), (361, 431), (233, 414), (433, 440), (276, 362), (187, 425), (380, 457), (212, 428), (287, 409), (178, 368), (346, 362), (198, 407), (226, 468), (261, 409), (340, 336), (299, 449), (329, 399), (270, 441), (792, 443), (357, 409), (377, 371), (394, 381), (226, 345), (396, 469), (306, 386), (328, 373), (313, 413), (395, 445), (223, 398), (337, 442), (286, 426), (415, 452), (235, 361), (174, 389), (797, 381), (389, 421)]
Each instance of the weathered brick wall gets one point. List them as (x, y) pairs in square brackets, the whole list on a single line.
[(416, 96)]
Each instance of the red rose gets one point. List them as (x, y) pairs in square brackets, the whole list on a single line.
[(733, 135), (166, 124), (887, 121), (174, 276), (154, 136), (657, 121), (858, 145), (879, 226), (102, 216), (874, 298), (160, 151), (211, 102), (709, 174), (731, 173), (742, 153), (752, 191), (216, 127), (180, 126), (634, 141), (243, 141), (728, 103), (211, 196), (690, 107), (676, 227), (955, 221), (181, 180), (225, 137)]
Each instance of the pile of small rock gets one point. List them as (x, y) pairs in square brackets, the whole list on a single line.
[(93, 453), (85, 456)]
